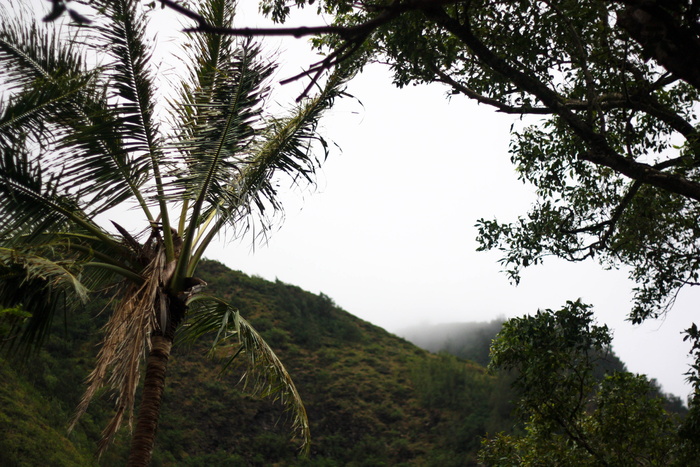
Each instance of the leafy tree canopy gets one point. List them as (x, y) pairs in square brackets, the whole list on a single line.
[(571, 417)]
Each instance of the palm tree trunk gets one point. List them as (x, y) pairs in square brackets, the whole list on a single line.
[(153, 385)]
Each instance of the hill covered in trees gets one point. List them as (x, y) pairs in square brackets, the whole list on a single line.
[(372, 398), (472, 341)]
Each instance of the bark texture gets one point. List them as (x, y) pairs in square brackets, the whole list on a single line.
[(153, 386)]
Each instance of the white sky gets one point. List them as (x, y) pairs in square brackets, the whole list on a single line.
[(389, 231)]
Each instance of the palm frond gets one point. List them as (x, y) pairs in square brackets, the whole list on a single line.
[(39, 285), (31, 205), (264, 372), (32, 112), (41, 77), (52, 97), (97, 154), (51, 271), (285, 146), (127, 335), (124, 38), (30, 51), (209, 54), (218, 117), (221, 129)]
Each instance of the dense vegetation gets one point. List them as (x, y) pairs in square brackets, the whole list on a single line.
[(371, 397), (473, 341), (572, 415)]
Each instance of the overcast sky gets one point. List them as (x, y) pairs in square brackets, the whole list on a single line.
[(388, 233)]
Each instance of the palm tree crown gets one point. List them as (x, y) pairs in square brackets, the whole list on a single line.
[(78, 140)]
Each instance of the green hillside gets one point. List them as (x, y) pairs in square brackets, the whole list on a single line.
[(472, 341), (372, 398)]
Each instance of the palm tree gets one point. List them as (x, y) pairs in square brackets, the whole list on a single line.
[(79, 139)]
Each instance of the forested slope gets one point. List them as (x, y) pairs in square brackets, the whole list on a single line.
[(372, 398), (472, 341)]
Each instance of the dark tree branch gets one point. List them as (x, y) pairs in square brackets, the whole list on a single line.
[(602, 102), (600, 152), (501, 106), (611, 223), (638, 100), (583, 63), (353, 36), (204, 27), (624, 203), (315, 70), (347, 33)]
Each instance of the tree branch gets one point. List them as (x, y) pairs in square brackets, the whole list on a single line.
[(353, 36), (501, 106), (347, 33), (600, 152)]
